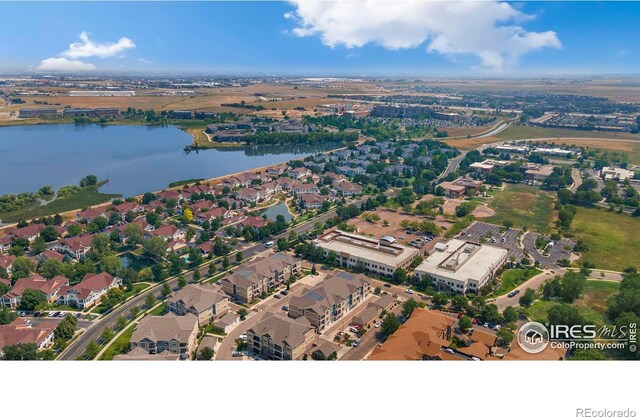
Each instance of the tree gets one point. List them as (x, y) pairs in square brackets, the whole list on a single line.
[(111, 264), (572, 284), (149, 301), (32, 300), (182, 281), (22, 267), (74, 229), (92, 350), (465, 324), (155, 247), (505, 337), (527, 298), (187, 214), (242, 313), (106, 335), (148, 198), (88, 180), (238, 257), (190, 234), (101, 245), (50, 268), (408, 307), (20, 352), (38, 246), (7, 316), (207, 353), (399, 276), (390, 324), (49, 234), (564, 314), (197, 276), (490, 313), (313, 270), (133, 234), (212, 269), (166, 290), (440, 300), (225, 262), (135, 310), (66, 328), (510, 315)]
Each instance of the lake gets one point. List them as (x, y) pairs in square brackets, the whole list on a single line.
[(134, 159)]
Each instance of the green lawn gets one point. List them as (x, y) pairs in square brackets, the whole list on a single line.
[(613, 238), (119, 346), (592, 305), (86, 197), (158, 310), (512, 278), (531, 132), (522, 205), (135, 289)]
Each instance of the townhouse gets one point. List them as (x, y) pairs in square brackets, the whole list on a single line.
[(30, 232), (89, 291), (168, 232), (49, 288), (22, 331), (76, 247)]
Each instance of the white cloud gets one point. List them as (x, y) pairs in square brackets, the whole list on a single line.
[(488, 30), (64, 64), (88, 48), (68, 60)]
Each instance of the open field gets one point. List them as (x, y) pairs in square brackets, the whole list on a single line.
[(514, 132), (612, 238), (86, 197), (472, 143), (597, 293), (378, 229), (523, 205), (628, 146), (512, 278)]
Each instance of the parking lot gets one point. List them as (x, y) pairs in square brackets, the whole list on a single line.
[(491, 234)]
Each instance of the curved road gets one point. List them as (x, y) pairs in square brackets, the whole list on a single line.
[(75, 349)]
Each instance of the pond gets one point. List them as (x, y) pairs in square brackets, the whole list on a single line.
[(280, 208), (134, 159)]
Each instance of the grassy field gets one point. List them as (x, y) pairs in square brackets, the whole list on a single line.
[(185, 182), (120, 345), (512, 278), (523, 205), (88, 196), (532, 132), (612, 238), (597, 293), (592, 305)]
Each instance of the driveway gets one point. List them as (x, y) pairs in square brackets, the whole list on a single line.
[(556, 252)]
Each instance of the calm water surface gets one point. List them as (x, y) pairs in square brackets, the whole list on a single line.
[(135, 159)]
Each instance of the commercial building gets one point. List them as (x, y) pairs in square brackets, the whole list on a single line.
[(616, 174), (377, 256), (331, 299), (39, 112), (280, 338), (460, 266)]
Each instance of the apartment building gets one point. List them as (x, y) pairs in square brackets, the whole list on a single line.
[(331, 299), (176, 334), (204, 301), (280, 338)]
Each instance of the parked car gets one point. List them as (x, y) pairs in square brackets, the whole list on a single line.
[(353, 329), (236, 354), (356, 343), (277, 296), (409, 291), (51, 314), (497, 327), (387, 285), (285, 308), (284, 292), (377, 325)]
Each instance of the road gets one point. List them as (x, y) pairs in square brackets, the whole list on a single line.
[(453, 165), (75, 349), (495, 131), (536, 282)]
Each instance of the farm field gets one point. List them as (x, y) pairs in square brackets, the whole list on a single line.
[(612, 239), (522, 205)]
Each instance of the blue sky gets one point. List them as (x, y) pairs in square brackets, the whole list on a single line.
[(553, 38)]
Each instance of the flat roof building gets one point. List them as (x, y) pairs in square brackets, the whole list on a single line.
[(461, 266), (616, 174), (378, 256)]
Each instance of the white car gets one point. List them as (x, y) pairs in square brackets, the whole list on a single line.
[(243, 336), (51, 313), (409, 291), (377, 325)]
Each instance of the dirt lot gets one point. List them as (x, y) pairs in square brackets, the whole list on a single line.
[(483, 211), (394, 229)]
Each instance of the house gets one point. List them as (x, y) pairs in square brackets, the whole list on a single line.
[(30, 232), (50, 254), (249, 195), (168, 232), (6, 262), (204, 301), (311, 201), (280, 338), (77, 246), (124, 208), (285, 183), (170, 195), (305, 188), (49, 288), (5, 244), (22, 331), (204, 205), (255, 222), (91, 214), (326, 351), (347, 189), (157, 334), (227, 322), (89, 291)]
